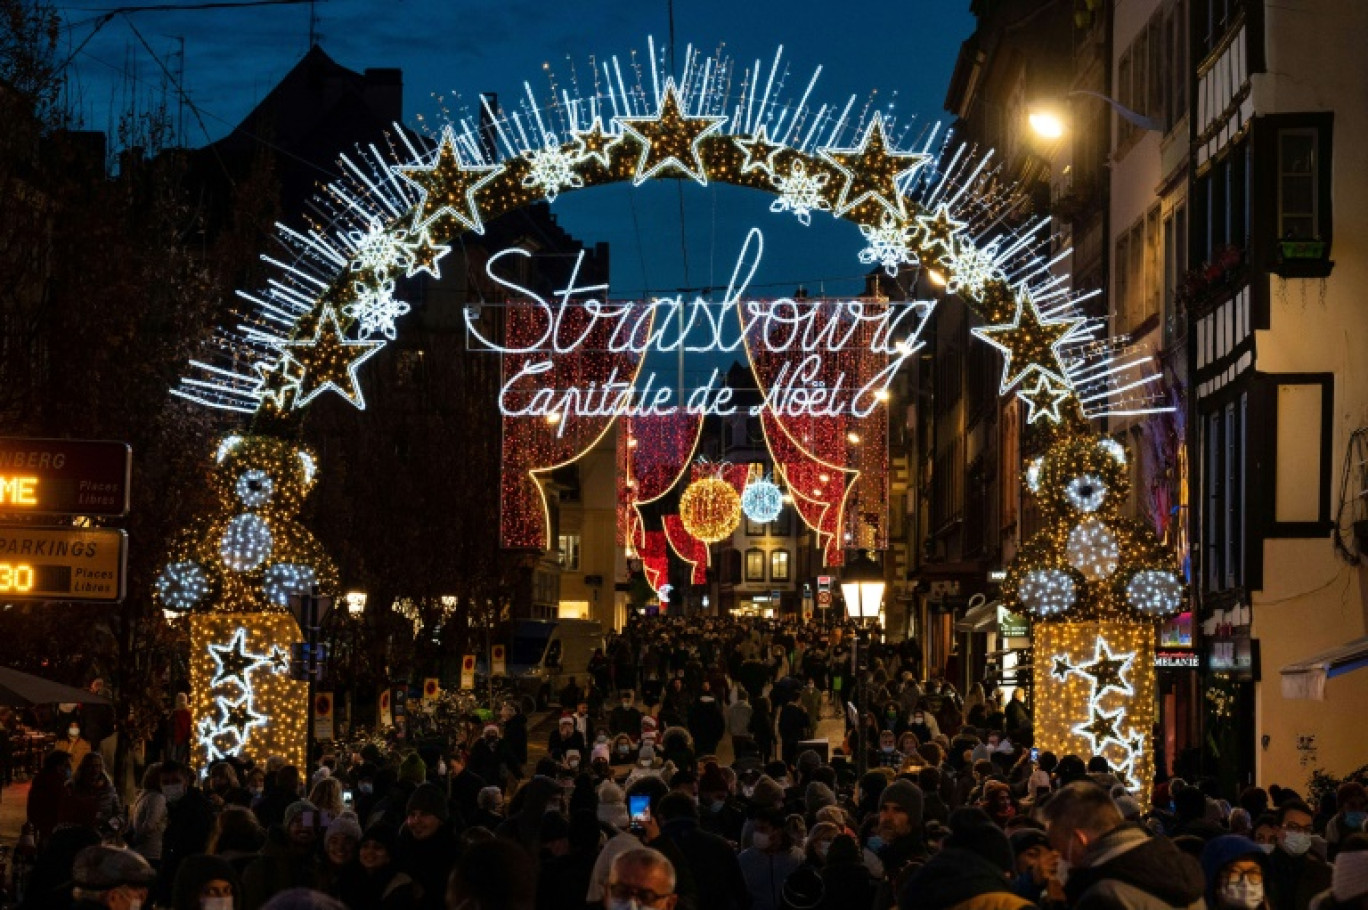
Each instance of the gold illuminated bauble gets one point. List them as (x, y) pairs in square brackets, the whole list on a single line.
[(710, 509)]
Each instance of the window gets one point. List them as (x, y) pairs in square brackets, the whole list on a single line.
[(1122, 282), (779, 565), (755, 565), (1303, 418), (1297, 189), (569, 545), (783, 525), (1153, 278), (754, 528)]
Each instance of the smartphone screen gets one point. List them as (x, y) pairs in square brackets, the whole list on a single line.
[(639, 807), (1035, 755), (347, 797)]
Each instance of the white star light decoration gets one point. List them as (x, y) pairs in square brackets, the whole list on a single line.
[(227, 733), (801, 193), (878, 183), (670, 139), (552, 169), (1105, 674), (447, 186), (891, 244)]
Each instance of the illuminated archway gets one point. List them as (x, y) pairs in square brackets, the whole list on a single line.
[(573, 365)]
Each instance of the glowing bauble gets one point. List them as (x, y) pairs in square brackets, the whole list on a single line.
[(286, 579), (710, 509), (762, 501), (181, 585), (1092, 549), (1046, 591), (1155, 591), (246, 542)]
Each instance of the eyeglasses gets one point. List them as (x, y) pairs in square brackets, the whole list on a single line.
[(1253, 876), (643, 896)]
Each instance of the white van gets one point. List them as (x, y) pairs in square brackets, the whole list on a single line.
[(545, 653)]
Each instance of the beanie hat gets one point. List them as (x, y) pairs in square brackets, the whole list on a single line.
[(817, 796), (1350, 879), (1220, 852), (808, 760), (767, 794), (413, 769), (971, 829), (906, 795), (383, 834), (429, 798), (712, 780), (612, 807), (600, 751), (345, 825), (296, 809), (1130, 808), (1024, 839)]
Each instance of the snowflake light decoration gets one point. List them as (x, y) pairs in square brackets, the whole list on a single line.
[(375, 308), (801, 193), (892, 244), (552, 169), (377, 249), (971, 268)]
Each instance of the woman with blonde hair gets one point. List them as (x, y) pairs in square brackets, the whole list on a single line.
[(327, 796)]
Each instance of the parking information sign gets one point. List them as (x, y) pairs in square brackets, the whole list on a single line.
[(64, 477), (63, 564)]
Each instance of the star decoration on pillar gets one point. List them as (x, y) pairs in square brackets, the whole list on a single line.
[(1043, 399), (670, 139), (238, 716), (1062, 669), (1101, 728), (938, 229), (1030, 343), (1106, 669), (278, 384), (232, 663), (423, 255), (330, 361), (595, 143), (872, 170), (447, 186), (280, 659), (759, 151)]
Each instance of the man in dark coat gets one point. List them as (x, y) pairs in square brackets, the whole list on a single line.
[(706, 723), (189, 822), (710, 859), (1114, 865), (288, 860), (428, 848), (969, 872), (904, 844), (1295, 874)]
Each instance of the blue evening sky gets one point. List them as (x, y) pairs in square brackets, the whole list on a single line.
[(902, 49)]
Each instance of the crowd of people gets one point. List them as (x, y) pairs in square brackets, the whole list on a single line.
[(687, 773)]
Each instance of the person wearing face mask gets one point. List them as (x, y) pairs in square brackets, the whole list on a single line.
[(805, 888), (1351, 818), (1295, 873), (74, 744), (206, 883), (625, 718), (887, 755), (769, 860), (189, 822), (289, 859), (111, 878), (148, 819), (708, 860), (1234, 867), (718, 812), (1105, 863), (641, 879)]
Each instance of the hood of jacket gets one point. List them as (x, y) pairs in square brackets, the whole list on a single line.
[(1153, 865), (949, 878)]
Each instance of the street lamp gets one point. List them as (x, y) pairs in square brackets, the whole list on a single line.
[(862, 586), (1047, 123)]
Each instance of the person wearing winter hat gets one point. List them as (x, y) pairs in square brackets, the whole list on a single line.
[(817, 796), (899, 842), (970, 871), (1349, 886), (205, 882), (413, 769), (612, 806), (110, 877), (427, 846), (288, 859), (1234, 870), (489, 812), (374, 880), (565, 738), (1035, 867), (1295, 873)]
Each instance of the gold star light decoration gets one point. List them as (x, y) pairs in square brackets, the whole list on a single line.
[(1030, 343), (871, 171), (329, 361), (670, 140), (759, 151), (448, 187)]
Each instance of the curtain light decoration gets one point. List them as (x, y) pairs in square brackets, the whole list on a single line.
[(234, 572)]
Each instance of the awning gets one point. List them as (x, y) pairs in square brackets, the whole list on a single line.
[(982, 618), (1306, 678), (19, 690)]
